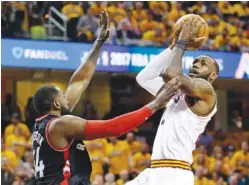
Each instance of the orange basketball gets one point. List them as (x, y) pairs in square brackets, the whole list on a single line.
[(203, 32)]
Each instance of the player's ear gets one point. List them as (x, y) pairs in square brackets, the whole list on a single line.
[(57, 105), (213, 77)]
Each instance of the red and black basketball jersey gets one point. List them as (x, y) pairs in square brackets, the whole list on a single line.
[(58, 166)]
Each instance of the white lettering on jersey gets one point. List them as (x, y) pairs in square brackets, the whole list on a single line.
[(37, 137), (80, 146)]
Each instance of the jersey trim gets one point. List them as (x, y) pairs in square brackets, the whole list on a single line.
[(66, 168), (41, 117), (50, 144), (170, 163), (64, 182)]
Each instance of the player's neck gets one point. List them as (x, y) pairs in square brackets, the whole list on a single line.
[(55, 113)]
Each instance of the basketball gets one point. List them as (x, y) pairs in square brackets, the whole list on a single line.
[(203, 32)]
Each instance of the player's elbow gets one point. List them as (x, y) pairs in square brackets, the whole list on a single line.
[(167, 75), (140, 80)]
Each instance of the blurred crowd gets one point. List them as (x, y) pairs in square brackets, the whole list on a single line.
[(132, 23), (221, 158)]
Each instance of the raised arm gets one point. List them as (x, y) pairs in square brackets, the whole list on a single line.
[(69, 127), (149, 78), (194, 87), (82, 76)]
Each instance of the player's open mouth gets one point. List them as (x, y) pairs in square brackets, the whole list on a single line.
[(192, 72)]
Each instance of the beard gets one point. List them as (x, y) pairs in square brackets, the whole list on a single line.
[(205, 77), (202, 76), (65, 111)]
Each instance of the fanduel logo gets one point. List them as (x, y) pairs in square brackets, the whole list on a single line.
[(27, 53), (17, 52)]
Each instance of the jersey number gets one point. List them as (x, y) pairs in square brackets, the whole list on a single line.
[(39, 166)]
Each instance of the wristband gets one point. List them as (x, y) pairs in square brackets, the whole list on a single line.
[(182, 44)]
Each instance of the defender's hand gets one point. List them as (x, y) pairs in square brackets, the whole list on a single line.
[(171, 89), (104, 25)]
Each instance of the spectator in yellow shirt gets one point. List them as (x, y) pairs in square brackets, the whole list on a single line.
[(124, 177), (139, 12), (134, 145), (72, 10), (15, 122), (18, 140), (201, 159), (235, 42), (221, 41), (9, 157), (210, 15), (119, 151), (221, 25), (116, 11), (228, 166), (158, 6), (225, 7), (246, 31), (216, 180), (101, 145), (141, 160), (232, 28), (133, 21), (199, 176), (240, 38), (175, 13), (97, 7), (158, 9), (96, 157), (240, 159), (214, 162), (148, 23), (241, 8), (157, 37), (198, 8), (22, 7)]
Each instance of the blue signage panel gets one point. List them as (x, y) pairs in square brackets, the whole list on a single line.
[(68, 56)]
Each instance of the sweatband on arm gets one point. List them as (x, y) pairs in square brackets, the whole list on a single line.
[(115, 127), (149, 78), (182, 44)]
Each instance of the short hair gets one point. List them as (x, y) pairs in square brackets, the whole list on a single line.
[(215, 63), (43, 99)]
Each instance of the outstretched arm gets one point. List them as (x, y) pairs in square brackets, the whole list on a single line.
[(82, 76), (149, 78), (68, 127), (197, 87)]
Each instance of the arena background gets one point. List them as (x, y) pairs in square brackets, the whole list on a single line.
[(44, 42)]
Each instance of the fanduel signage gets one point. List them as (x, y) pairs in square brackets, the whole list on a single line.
[(113, 58)]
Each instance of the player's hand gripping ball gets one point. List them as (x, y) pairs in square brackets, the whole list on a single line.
[(203, 32)]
